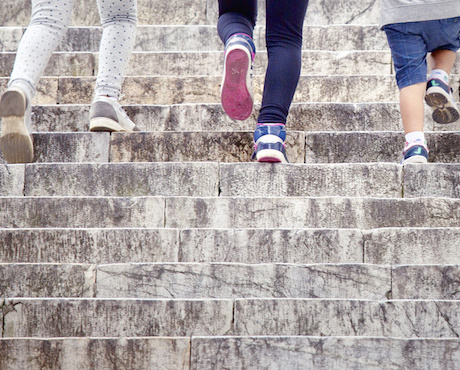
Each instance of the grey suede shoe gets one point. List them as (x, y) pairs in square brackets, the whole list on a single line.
[(16, 141), (107, 115)]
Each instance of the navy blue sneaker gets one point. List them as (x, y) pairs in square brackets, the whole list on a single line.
[(439, 97), (269, 143), (415, 152)]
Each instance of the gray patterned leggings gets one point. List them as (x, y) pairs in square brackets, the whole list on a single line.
[(49, 23)]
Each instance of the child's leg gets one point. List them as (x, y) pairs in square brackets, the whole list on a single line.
[(442, 59), (119, 22), (412, 107)]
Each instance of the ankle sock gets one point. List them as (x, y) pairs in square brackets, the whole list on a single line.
[(414, 136), (439, 74)]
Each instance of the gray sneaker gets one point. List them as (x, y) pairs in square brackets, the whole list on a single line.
[(107, 115), (16, 141)]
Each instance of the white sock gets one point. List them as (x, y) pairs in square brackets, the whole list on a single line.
[(439, 74), (415, 136)]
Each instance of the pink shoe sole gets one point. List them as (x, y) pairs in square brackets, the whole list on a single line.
[(235, 97)]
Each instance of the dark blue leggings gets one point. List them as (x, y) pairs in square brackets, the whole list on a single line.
[(284, 43)]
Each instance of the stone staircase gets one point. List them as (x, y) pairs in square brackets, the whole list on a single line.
[(166, 249)]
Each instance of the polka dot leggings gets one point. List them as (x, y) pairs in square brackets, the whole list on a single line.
[(49, 23)]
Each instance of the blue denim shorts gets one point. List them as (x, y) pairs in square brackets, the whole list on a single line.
[(410, 42)]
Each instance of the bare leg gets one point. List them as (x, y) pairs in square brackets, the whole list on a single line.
[(412, 107), (442, 59)]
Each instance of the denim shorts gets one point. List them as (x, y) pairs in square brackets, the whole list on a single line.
[(410, 42)]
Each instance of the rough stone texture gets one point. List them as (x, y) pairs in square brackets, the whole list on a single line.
[(123, 179), (81, 212), (413, 246), (256, 179), (70, 147), (434, 180), (194, 146), (324, 353), (116, 318), (426, 282), (47, 280), (198, 281), (333, 212), (89, 245), (271, 245), (12, 180), (320, 317), (92, 353)]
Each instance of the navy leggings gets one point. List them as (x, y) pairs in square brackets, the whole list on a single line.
[(284, 42)]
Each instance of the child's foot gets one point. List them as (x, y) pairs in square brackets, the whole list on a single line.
[(107, 115), (269, 143), (415, 152), (236, 92), (16, 141), (439, 97)]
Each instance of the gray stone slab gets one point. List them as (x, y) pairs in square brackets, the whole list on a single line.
[(194, 146), (97, 353), (323, 353), (89, 245), (12, 180), (122, 179), (426, 282), (434, 180), (47, 280), (197, 281), (324, 212), (320, 317), (70, 147), (81, 212), (258, 179), (413, 245), (271, 245), (68, 317)]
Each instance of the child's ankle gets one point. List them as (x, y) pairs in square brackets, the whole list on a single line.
[(440, 75), (415, 137)]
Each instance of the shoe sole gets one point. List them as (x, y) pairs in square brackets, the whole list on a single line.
[(107, 125), (415, 159), (236, 97), (270, 156), (443, 112), (16, 143)]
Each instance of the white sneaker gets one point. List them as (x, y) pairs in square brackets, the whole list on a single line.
[(16, 141), (106, 114)]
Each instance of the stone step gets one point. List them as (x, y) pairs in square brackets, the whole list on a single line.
[(229, 281), (384, 246), (210, 63), (303, 352), (72, 317), (206, 89), (223, 212), (204, 38), (210, 117), (206, 179), (97, 353), (356, 147), (198, 12)]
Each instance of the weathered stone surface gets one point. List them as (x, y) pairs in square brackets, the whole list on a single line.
[(258, 179), (12, 180), (434, 180), (413, 245), (197, 281), (122, 179), (194, 146), (323, 353), (271, 245), (324, 212), (320, 317), (426, 282), (47, 280), (67, 317), (81, 212), (70, 147), (100, 353), (89, 245)]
